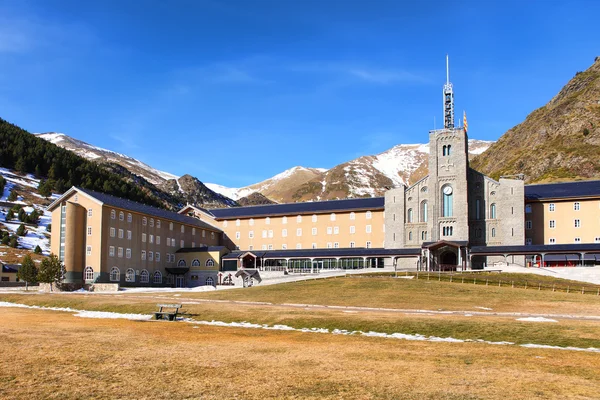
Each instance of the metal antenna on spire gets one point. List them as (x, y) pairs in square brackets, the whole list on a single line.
[(448, 100)]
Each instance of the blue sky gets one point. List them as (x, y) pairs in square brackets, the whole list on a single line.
[(234, 92)]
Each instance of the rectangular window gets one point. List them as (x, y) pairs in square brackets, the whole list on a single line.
[(284, 246), (351, 244), (270, 233), (528, 241), (151, 238), (352, 229), (150, 256), (143, 254), (237, 235), (576, 206), (528, 208), (181, 244), (551, 207), (264, 234), (552, 223), (224, 224), (120, 233), (368, 228), (368, 245), (193, 231), (157, 256), (299, 232), (128, 253), (173, 242), (597, 240), (158, 223), (577, 223), (270, 247), (111, 251), (89, 231), (298, 246), (577, 240), (158, 240), (89, 250), (120, 252), (112, 232), (314, 231), (143, 238), (128, 235), (203, 233), (336, 230), (552, 241), (251, 234), (329, 230), (89, 212), (528, 224), (284, 232), (264, 247), (328, 245)]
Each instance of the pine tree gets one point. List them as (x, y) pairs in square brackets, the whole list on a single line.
[(44, 189), (13, 242), (13, 195), (21, 231), (28, 272), (10, 215), (52, 271), (38, 249), (22, 215), (6, 240)]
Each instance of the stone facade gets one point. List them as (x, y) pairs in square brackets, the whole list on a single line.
[(455, 204)]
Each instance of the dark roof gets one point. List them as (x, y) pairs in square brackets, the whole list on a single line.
[(562, 190), (10, 268), (455, 243), (114, 201), (327, 253), (367, 203), (537, 249), (200, 249)]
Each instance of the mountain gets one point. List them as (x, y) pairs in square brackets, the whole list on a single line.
[(362, 177), (275, 188), (174, 190), (99, 154), (557, 142), (254, 199)]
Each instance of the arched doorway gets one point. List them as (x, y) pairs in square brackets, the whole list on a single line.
[(448, 261)]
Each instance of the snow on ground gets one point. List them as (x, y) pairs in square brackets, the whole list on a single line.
[(536, 319), (582, 274), (249, 325)]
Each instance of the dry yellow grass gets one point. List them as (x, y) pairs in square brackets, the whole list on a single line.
[(53, 355)]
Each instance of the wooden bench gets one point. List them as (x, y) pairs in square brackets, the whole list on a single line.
[(167, 315)]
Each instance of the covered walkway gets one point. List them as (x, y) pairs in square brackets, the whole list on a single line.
[(577, 254)]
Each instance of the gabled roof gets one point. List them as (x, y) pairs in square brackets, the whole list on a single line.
[(314, 207), (109, 200), (563, 190)]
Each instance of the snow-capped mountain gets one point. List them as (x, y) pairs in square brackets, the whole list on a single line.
[(99, 154), (363, 176), (273, 188)]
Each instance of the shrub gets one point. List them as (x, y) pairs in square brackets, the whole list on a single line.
[(21, 231), (38, 249), (586, 131), (14, 242), (13, 195)]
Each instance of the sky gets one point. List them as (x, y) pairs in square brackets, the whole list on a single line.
[(236, 91)]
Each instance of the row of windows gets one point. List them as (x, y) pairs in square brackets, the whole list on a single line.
[(552, 224), (196, 263), (575, 240), (115, 275), (330, 245), (284, 220), (552, 207), (113, 215), (284, 232)]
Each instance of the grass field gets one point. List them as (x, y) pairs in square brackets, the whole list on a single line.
[(48, 354)]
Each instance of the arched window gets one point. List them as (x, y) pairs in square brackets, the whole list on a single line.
[(448, 148), (424, 211), (210, 281), (210, 262), (157, 277), (130, 275), (181, 263), (151, 222), (493, 211), (409, 215), (268, 221), (182, 229), (299, 218), (121, 216), (332, 216), (447, 193), (410, 235), (115, 274), (423, 235), (128, 217), (284, 220), (493, 232), (144, 221), (195, 263), (88, 274), (113, 214), (314, 218), (144, 276)]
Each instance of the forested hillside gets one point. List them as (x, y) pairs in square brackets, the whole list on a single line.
[(25, 153)]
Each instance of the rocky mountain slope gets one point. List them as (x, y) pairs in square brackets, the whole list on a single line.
[(362, 177), (174, 190), (559, 141), (254, 199)]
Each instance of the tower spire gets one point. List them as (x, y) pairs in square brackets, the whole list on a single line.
[(448, 99)]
